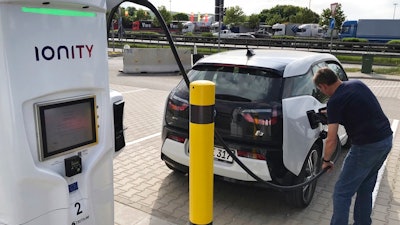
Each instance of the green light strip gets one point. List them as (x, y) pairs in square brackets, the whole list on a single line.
[(58, 12)]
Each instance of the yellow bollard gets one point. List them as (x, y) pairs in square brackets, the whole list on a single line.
[(201, 151)]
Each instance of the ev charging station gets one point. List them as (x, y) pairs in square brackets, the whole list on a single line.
[(60, 125)]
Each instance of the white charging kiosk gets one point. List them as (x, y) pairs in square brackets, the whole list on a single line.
[(60, 125)]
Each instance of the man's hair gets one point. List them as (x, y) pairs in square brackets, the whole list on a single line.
[(325, 76)]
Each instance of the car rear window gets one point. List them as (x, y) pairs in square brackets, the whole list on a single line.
[(239, 83)]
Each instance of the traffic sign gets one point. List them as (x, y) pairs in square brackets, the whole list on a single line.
[(333, 8), (332, 23)]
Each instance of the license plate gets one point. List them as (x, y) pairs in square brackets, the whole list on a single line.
[(222, 154)]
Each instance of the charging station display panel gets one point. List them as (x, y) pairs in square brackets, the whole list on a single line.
[(66, 125)]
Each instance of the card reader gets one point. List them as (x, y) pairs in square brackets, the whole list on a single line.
[(73, 166)]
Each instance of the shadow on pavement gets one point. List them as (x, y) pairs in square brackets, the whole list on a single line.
[(233, 203)]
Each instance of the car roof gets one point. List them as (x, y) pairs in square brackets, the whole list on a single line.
[(290, 62)]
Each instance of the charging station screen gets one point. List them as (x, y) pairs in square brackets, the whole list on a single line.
[(66, 125)]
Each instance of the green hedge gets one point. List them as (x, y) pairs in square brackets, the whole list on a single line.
[(207, 34), (143, 33), (354, 40), (395, 61), (283, 37), (394, 42)]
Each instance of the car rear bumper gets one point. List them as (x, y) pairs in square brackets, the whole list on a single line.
[(176, 154)]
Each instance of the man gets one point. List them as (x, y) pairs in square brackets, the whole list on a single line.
[(353, 105)]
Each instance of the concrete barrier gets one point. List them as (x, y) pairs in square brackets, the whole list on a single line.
[(154, 60)]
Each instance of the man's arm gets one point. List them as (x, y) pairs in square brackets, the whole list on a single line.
[(330, 145)]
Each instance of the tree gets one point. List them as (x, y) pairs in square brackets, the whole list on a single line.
[(128, 16), (288, 14), (339, 17), (283, 12), (304, 15), (125, 19), (254, 21), (234, 15), (142, 15), (165, 14), (275, 18), (180, 17), (131, 11)]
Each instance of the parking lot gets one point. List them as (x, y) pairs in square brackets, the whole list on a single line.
[(144, 184)]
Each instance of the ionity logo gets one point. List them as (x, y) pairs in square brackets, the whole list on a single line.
[(63, 52)]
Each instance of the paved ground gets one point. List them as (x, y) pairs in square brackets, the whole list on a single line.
[(147, 192)]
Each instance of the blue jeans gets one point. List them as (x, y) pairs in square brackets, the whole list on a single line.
[(358, 175)]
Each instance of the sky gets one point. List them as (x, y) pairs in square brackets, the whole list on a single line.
[(353, 9)]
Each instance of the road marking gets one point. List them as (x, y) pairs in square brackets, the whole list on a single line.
[(394, 126), (133, 91), (143, 139)]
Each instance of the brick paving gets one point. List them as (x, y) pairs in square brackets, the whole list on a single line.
[(147, 192)]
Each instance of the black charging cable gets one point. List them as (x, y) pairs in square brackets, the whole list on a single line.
[(267, 183)]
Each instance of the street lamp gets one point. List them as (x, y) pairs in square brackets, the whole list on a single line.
[(394, 11)]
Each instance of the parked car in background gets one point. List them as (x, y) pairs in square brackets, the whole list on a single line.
[(245, 35), (230, 34), (264, 31), (225, 34), (263, 98)]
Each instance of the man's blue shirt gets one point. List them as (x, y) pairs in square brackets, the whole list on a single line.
[(355, 107)]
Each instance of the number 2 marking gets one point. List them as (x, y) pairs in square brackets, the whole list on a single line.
[(79, 211)]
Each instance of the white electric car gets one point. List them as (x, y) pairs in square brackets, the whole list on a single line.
[(262, 111)]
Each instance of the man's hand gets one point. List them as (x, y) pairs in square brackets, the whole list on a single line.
[(328, 165)]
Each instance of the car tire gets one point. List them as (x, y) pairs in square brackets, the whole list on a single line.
[(301, 197)]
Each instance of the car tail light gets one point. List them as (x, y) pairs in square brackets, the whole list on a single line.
[(177, 107), (274, 117), (176, 138), (251, 154)]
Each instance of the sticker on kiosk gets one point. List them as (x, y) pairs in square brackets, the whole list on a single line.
[(79, 212)]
